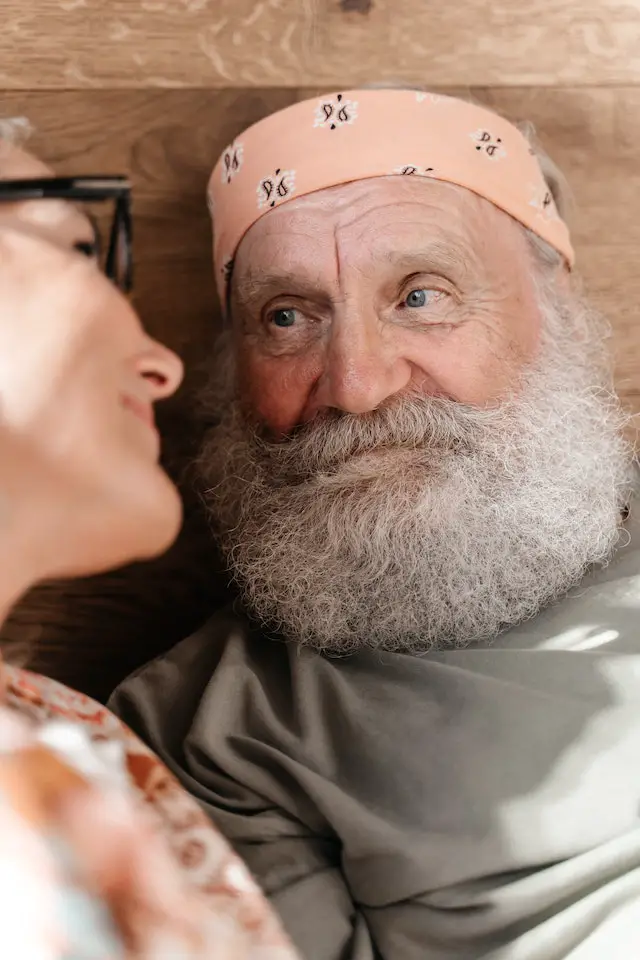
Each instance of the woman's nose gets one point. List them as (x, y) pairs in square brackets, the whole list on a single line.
[(161, 369)]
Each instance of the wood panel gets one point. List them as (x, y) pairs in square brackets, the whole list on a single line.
[(168, 141), (239, 43)]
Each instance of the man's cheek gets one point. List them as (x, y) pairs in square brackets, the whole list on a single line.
[(277, 390)]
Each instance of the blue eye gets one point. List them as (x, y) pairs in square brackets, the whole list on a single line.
[(417, 298), (284, 317)]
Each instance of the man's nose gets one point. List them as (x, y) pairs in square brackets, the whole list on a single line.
[(363, 367), (161, 369)]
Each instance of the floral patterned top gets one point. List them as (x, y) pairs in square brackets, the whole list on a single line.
[(230, 917)]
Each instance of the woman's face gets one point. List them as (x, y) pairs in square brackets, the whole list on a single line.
[(78, 381)]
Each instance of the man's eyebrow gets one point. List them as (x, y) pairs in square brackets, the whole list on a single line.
[(438, 253), (256, 287)]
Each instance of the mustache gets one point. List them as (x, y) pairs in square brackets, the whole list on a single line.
[(415, 424)]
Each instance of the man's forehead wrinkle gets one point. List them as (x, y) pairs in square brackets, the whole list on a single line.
[(456, 223), (265, 232), (379, 192), (337, 264), (401, 208), (304, 242), (294, 217), (414, 238)]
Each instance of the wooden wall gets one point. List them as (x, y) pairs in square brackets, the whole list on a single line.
[(156, 88)]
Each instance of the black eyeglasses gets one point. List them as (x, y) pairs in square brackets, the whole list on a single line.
[(118, 262)]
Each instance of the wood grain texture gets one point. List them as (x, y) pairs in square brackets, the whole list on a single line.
[(237, 43), (91, 633)]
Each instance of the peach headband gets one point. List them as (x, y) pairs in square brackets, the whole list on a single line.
[(361, 134)]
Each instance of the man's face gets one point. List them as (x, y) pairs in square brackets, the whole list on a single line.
[(349, 297), (417, 444)]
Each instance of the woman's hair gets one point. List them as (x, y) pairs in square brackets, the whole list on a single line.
[(14, 131)]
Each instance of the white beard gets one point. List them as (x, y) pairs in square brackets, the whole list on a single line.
[(426, 522)]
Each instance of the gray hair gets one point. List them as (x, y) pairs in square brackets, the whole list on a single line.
[(544, 254), (14, 131)]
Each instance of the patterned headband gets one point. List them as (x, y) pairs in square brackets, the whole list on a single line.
[(362, 134)]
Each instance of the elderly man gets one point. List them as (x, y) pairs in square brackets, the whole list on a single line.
[(422, 728)]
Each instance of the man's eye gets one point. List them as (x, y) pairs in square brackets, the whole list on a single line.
[(285, 317), (421, 297)]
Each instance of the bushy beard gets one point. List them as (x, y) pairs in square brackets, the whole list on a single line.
[(425, 523)]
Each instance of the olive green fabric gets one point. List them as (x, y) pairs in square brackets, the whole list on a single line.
[(466, 804)]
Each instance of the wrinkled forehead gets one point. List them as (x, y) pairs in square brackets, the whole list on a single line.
[(376, 220)]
